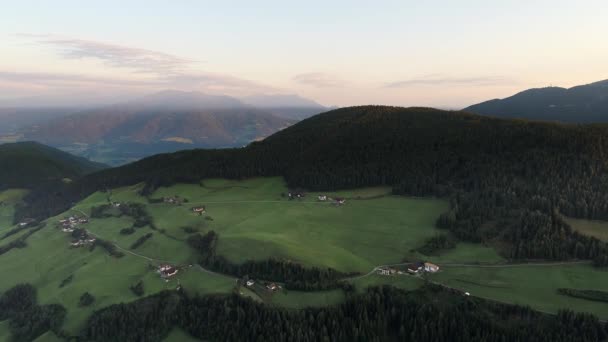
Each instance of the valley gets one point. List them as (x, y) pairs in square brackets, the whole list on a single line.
[(256, 220)]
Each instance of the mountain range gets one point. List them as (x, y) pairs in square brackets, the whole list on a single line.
[(580, 104), (166, 121)]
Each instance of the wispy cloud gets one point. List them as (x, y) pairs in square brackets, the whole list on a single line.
[(436, 80), (319, 80), (139, 60), (154, 69)]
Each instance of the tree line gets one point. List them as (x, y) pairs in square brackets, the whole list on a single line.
[(380, 314), (27, 319), (293, 275)]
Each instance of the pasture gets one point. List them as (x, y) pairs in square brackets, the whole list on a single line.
[(255, 220), (598, 229)]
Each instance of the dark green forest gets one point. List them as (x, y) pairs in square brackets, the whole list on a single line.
[(30, 164), (381, 314)]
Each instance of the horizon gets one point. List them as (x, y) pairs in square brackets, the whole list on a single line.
[(339, 54)]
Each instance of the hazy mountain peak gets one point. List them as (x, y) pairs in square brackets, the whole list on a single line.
[(188, 100), (280, 100)]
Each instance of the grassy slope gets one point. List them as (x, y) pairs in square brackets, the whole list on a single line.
[(530, 285), (255, 222), (598, 229), (8, 199)]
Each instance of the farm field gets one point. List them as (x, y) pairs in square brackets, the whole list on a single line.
[(535, 286), (255, 220), (598, 229)]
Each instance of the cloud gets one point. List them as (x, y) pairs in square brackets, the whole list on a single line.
[(54, 79), (319, 80), (155, 70), (139, 60), (435, 80)]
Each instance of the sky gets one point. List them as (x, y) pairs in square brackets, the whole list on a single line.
[(447, 54)]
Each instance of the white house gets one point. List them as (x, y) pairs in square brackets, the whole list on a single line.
[(432, 268)]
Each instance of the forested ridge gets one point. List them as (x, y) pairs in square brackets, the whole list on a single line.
[(380, 314), (506, 179), (30, 164)]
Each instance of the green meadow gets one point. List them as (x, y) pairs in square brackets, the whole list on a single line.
[(255, 220), (535, 286), (598, 229)]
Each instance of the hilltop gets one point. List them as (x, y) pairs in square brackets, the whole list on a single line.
[(29, 164), (581, 104)]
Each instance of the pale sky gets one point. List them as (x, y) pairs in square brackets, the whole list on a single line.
[(407, 53)]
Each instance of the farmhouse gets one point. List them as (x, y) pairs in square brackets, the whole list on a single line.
[(272, 287), (387, 271), (250, 283), (167, 271), (415, 267), (340, 200), (322, 198), (432, 268), (199, 210)]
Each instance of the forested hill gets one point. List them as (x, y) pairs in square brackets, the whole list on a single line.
[(582, 104), (495, 171), (28, 164)]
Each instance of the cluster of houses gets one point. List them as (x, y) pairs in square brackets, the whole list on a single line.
[(272, 287), (86, 241), (422, 267), (337, 200), (167, 271), (413, 268), (295, 195), (68, 224)]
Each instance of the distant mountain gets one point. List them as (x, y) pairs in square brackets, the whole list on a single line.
[(163, 122), (28, 164), (13, 118), (286, 106), (174, 99), (581, 104)]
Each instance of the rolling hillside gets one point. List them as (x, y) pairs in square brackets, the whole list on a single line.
[(29, 164), (581, 104)]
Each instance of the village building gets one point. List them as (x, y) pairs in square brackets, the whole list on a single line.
[(339, 200), (322, 198), (199, 210), (167, 271), (415, 267), (272, 287), (432, 268), (250, 283)]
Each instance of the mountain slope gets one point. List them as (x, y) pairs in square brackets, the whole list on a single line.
[(581, 104), (286, 106), (164, 122), (28, 164)]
